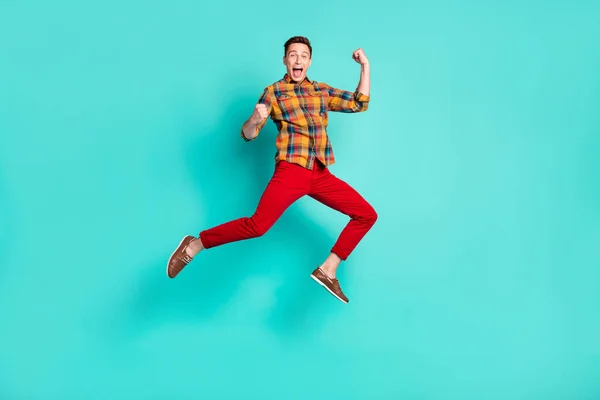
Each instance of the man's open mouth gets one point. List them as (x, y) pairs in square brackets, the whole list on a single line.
[(297, 72)]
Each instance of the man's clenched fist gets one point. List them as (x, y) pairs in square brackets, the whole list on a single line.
[(360, 57), (260, 113)]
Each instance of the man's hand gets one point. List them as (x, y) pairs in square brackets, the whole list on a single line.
[(260, 113), (360, 57), (249, 129)]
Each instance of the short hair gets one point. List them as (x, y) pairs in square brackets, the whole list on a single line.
[(297, 39)]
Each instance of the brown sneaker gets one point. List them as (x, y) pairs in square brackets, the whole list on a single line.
[(179, 259), (332, 285)]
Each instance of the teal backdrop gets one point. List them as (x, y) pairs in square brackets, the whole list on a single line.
[(119, 134)]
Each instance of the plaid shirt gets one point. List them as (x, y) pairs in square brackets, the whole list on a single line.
[(300, 113)]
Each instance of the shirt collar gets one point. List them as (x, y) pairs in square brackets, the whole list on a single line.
[(288, 79)]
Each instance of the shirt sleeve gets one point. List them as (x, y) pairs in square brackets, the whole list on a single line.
[(346, 102), (266, 99)]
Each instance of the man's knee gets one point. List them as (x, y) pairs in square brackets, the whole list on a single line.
[(260, 230), (258, 227), (372, 216), (368, 215)]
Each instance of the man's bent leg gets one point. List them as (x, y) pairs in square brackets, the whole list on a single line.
[(337, 194), (287, 185)]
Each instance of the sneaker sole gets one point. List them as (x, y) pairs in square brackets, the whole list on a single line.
[(329, 290), (176, 248)]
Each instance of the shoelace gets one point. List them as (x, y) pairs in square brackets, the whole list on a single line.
[(186, 257)]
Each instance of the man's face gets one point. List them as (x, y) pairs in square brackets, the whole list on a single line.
[(297, 60)]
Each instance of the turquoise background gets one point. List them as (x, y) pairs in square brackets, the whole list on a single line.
[(119, 133)]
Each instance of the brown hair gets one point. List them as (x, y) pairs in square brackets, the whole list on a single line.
[(297, 39)]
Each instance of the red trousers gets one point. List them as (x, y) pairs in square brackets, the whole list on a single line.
[(289, 183)]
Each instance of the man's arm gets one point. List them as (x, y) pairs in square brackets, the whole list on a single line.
[(343, 101), (258, 119), (364, 85)]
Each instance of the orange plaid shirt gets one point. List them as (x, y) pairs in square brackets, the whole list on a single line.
[(299, 110)]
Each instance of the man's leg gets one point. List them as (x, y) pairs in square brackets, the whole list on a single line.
[(288, 184), (337, 194), (285, 187)]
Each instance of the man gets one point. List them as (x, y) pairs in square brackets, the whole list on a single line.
[(299, 107)]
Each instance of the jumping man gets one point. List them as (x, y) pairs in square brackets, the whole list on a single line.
[(298, 106)]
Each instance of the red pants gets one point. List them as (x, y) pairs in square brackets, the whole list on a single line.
[(289, 183)]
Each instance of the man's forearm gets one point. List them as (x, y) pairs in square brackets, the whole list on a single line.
[(249, 129), (364, 85)]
